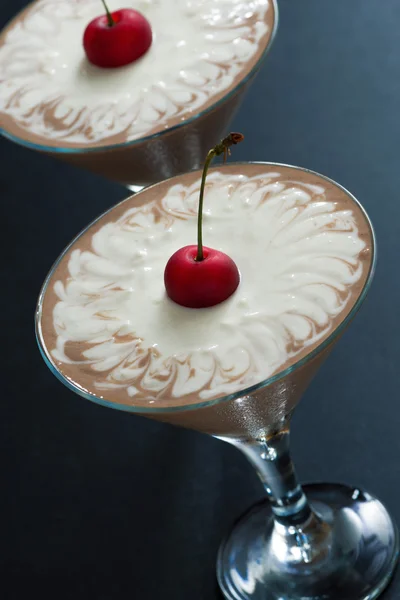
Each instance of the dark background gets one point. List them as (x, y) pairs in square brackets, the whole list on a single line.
[(96, 504)]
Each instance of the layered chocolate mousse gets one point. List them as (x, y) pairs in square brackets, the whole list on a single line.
[(144, 121), (304, 249)]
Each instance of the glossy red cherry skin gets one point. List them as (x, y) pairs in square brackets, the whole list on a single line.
[(122, 43), (200, 284)]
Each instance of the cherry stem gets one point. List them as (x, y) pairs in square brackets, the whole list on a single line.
[(222, 148), (111, 21)]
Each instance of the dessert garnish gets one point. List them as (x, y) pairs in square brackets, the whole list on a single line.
[(117, 38), (197, 276)]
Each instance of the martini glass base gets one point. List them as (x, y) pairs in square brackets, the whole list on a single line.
[(347, 551)]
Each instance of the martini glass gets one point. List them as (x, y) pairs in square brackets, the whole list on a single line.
[(317, 542), (168, 152)]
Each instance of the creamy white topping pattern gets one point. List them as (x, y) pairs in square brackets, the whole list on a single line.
[(298, 255), (199, 48)]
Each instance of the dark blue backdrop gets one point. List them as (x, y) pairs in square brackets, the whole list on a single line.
[(96, 504)]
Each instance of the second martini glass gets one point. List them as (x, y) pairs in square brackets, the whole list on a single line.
[(320, 542), (166, 147)]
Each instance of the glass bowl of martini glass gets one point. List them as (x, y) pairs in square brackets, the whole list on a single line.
[(108, 330), (142, 122)]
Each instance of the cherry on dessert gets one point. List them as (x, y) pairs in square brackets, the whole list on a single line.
[(117, 39), (197, 276), (200, 283)]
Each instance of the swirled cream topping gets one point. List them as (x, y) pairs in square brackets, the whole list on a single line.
[(200, 50), (112, 329)]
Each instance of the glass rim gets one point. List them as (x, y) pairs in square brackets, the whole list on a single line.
[(158, 134), (148, 410)]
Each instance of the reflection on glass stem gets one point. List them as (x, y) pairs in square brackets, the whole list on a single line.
[(271, 458)]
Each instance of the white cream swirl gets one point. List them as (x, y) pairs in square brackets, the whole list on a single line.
[(298, 254), (199, 48)]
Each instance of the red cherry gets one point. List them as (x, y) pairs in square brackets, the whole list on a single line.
[(202, 283), (197, 276), (119, 44)]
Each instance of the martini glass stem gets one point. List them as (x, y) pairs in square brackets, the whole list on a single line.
[(345, 546), (271, 458)]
